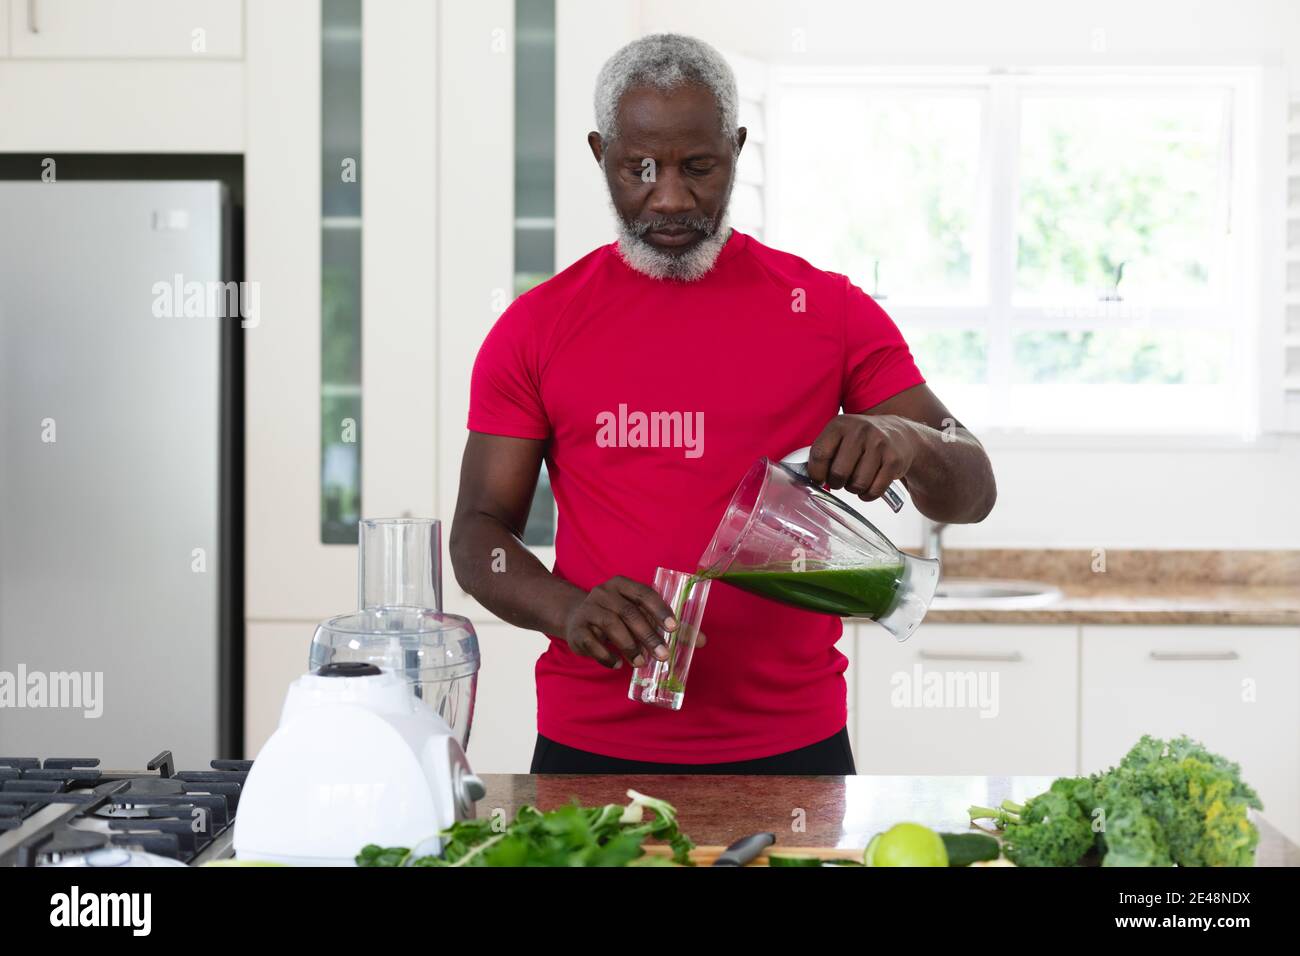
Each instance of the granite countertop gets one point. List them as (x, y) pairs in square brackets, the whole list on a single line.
[(834, 811), (1135, 586)]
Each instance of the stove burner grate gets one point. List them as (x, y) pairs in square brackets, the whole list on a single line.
[(177, 814)]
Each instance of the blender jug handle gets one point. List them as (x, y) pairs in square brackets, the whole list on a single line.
[(797, 461)]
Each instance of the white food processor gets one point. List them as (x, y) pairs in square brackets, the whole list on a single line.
[(357, 759)]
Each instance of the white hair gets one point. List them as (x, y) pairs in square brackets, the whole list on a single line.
[(665, 61), (694, 263)]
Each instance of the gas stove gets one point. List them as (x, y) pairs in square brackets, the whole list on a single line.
[(67, 811)]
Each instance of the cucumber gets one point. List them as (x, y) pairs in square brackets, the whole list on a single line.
[(967, 848), (792, 859)]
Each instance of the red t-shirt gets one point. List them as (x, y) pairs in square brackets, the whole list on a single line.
[(761, 352)]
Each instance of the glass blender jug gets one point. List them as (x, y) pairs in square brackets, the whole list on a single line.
[(784, 537), (400, 625)]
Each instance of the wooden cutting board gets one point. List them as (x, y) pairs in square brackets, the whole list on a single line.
[(705, 855)]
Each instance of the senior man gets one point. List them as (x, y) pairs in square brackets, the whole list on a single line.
[(759, 353)]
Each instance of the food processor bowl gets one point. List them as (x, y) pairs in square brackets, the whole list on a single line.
[(438, 654)]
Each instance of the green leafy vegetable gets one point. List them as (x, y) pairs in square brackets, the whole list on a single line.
[(1049, 830), (572, 835), (1166, 803), (373, 855)]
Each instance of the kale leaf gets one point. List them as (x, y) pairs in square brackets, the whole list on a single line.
[(1168, 802)]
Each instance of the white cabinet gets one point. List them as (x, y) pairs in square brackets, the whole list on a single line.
[(505, 712), (125, 29), (968, 699), (275, 655), (1232, 688), (122, 76)]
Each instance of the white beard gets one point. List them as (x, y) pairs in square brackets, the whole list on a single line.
[(654, 262)]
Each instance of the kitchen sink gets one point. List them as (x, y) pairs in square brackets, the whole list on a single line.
[(956, 593)]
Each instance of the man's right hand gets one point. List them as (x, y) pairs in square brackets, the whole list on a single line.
[(619, 620)]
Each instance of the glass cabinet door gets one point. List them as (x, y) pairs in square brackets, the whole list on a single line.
[(535, 191), (340, 358)]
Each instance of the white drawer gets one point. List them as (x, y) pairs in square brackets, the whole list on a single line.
[(968, 699), (1235, 689)]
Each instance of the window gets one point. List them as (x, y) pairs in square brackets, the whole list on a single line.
[(1058, 249)]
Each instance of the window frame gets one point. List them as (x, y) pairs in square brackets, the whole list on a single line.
[(1000, 313)]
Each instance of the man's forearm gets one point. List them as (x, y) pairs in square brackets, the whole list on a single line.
[(951, 478), (495, 567)]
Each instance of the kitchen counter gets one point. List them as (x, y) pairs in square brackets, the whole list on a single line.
[(836, 811), (1135, 587), (1173, 604)]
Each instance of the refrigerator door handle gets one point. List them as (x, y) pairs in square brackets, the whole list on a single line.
[(31, 16)]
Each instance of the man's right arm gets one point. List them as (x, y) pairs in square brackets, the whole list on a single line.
[(497, 480)]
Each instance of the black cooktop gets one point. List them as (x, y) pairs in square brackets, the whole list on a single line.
[(55, 809)]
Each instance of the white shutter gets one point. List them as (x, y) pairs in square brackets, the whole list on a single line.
[(1290, 417), (749, 197)]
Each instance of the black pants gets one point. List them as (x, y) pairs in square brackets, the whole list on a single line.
[(831, 756)]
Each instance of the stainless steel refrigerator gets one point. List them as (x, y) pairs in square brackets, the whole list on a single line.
[(116, 471)]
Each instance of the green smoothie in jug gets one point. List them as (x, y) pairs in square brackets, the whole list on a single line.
[(849, 592)]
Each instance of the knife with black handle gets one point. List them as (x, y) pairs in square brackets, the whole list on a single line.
[(745, 849)]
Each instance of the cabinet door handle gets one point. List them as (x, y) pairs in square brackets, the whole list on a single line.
[(1208, 656), (31, 17), (1011, 657)]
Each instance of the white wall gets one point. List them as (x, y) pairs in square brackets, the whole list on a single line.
[(1053, 492)]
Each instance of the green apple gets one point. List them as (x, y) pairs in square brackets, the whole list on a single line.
[(906, 844)]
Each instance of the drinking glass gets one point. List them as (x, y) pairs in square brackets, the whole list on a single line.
[(663, 683)]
